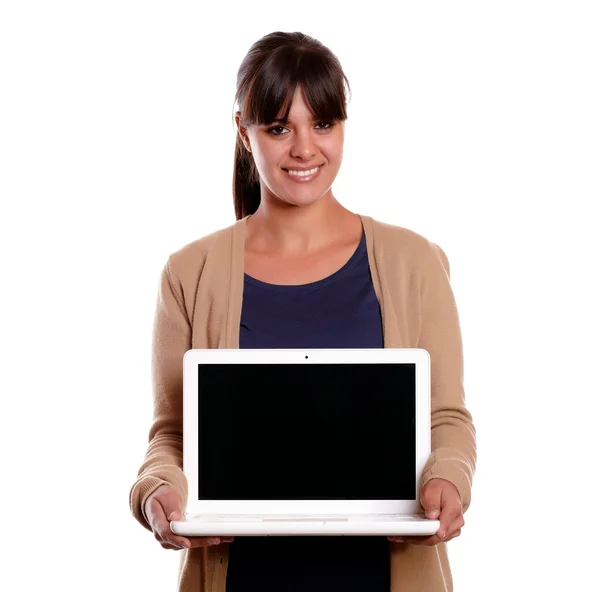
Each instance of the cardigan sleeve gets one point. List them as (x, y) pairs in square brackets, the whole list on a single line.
[(171, 338), (453, 440)]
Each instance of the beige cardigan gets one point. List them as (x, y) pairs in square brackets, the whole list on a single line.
[(199, 306)]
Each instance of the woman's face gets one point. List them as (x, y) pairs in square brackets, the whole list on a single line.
[(299, 143)]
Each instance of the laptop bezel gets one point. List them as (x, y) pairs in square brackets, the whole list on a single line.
[(193, 357)]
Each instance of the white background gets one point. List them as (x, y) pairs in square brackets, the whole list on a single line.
[(473, 123)]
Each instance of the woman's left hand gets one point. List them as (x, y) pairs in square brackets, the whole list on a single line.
[(441, 500)]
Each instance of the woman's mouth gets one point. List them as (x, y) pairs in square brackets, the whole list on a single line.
[(303, 176)]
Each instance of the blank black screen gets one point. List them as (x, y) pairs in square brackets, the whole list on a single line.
[(306, 431)]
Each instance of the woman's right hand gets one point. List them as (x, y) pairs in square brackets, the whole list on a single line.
[(164, 506)]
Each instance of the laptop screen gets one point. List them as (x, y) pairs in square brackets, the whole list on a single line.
[(316, 431)]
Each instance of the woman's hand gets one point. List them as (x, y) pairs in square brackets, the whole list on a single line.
[(439, 498), (163, 506)]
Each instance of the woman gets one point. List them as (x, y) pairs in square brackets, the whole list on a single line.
[(262, 283)]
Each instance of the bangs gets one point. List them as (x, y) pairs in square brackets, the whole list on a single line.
[(282, 72)]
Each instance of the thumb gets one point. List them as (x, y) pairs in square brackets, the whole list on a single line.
[(171, 503), (431, 499)]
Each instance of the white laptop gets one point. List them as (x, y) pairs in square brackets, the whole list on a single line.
[(305, 442)]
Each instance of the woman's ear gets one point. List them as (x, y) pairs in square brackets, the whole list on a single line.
[(242, 131)]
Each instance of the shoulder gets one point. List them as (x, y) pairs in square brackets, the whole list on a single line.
[(188, 261), (409, 244)]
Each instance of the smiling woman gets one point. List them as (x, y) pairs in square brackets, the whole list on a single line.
[(298, 270), (292, 99)]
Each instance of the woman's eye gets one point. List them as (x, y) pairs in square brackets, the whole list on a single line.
[(272, 129)]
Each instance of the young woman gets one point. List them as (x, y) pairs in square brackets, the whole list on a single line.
[(299, 270)]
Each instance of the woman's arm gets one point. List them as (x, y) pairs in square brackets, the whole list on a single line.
[(453, 446), (163, 463)]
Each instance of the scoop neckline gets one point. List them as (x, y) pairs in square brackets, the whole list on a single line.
[(336, 275)]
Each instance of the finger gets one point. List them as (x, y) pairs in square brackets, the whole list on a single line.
[(156, 514), (451, 510), (431, 498), (204, 541), (453, 536), (416, 540), (162, 528), (162, 494), (151, 508), (171, 547), (168, 539), (452, 532), (448, 524), (167, 536), (171, 504), (455, 527)]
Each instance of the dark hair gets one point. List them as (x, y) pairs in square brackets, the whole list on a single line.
[(267, 79)]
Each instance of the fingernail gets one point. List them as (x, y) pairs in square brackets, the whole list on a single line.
[(186, 544), (433, 514), (172, 515), (442, 534)]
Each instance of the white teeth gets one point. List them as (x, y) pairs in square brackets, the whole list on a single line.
[(304, 173)]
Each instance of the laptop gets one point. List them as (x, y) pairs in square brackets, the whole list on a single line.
[(297, 442)]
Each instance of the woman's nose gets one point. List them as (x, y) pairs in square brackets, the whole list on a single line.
[(304, 145)]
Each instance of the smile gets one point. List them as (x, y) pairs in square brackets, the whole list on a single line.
[(304, 176)]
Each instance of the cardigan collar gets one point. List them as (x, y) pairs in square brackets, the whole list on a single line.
[(230, 339)]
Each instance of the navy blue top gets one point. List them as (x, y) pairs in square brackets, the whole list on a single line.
[(339, 311)]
